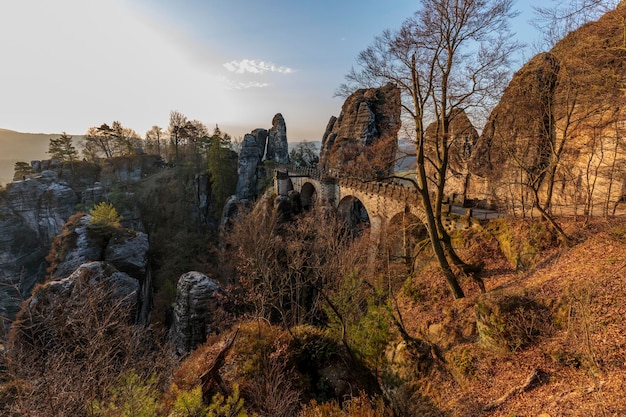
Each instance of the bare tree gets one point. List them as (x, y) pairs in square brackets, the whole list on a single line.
[(450, 56), (177, 130), (556, 21), (62, 357), (154, 137)]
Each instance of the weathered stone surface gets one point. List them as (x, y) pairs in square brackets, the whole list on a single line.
[(249, 160), (261, 135), (462, 140), (119, 285), (200, 304), (363, 138), (74, 248), (565, 105), (126, 250), (32, 212), (514, 134), (277, 147), (94, 288)]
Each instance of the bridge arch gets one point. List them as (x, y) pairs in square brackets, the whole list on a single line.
[(354, 214), (308, 195)]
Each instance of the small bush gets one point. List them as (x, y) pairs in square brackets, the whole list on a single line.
[(462, 361), (521, 241), (510, 322), (189, 404), (618, 233), (130, 397), (360, 406), (104, 215)]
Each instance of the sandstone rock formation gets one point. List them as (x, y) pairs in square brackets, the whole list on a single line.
[(199, 308), (32, 212), (248, 169), (277, 147), (60, 308), (462, 139), (559, 128), (257, 146), (261, 135), (363, 139), (125, 250)]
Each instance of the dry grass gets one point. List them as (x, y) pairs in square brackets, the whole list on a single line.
[(581, 362)]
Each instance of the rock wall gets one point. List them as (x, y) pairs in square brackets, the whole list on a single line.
[(462, 141), (560, 123), (125, 250), (248, 168), (277, 147), (363, 139), (32, 212), (257, 146)]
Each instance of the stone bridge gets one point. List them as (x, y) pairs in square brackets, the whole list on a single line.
[(374, 204)]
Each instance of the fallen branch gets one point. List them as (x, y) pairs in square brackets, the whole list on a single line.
[(212, 376), (533, 378)]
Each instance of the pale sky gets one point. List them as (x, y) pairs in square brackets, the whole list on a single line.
[(66, 65)]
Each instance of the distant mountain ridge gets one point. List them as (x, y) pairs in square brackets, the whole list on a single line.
[(20, 146)]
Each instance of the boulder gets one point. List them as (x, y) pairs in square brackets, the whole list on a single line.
[(277, 147), (57, 310), (363, 140), (199, 308)]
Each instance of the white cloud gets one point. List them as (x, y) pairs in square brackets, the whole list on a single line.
[(255, 67)]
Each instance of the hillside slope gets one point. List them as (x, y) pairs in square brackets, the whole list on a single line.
[(18, 146), (573, 362)]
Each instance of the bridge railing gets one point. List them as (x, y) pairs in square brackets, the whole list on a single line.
[(392, 190), (305, 171)]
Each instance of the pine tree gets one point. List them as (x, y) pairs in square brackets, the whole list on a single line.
[(63, 149), (221, 169)]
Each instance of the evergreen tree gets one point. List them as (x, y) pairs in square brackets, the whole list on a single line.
[(62, 148), (22, 170), (221, 168)]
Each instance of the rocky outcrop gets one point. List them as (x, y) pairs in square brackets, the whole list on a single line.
[(199, 311), (556, 128), (32, 212), (248, 169), (259, 145), (277, 147), (519, 129), (261, 135), (95, 289), (462, 139), (363, 139), (125, 249)]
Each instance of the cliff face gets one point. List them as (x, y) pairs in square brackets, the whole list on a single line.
[(560, 124), (259, 145), (363, 139), (32, 212), (462, 140), (277, 147)]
